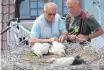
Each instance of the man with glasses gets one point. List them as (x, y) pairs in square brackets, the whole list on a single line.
[(49, 26), (81, 29)]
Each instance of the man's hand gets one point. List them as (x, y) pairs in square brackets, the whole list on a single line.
[(72, 37), (82, 37), (61, 38)]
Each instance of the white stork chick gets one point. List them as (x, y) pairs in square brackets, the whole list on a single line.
[(57, 48), (40, 49), (45, 48), (66, 61)]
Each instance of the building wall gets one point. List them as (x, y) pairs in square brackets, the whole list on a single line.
[(59, 4), (7, 13), (88, 5), (4, 9), (0, 24), (102, 8), (102, 5)]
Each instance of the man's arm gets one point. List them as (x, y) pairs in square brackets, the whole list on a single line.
[(63, 36), (63, 30), (35, 40), (97, 33)]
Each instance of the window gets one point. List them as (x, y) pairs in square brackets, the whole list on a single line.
[(36, 7)]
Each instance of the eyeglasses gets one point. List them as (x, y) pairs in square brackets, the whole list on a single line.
[(50, 14)]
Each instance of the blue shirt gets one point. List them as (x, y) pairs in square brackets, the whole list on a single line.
[(41, 29)]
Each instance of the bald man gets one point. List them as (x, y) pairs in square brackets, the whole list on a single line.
[(49, 26), (79, 29)]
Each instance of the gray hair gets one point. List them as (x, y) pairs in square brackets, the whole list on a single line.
[(50, 4)]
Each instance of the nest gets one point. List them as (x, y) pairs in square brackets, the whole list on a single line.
[(20, 58)]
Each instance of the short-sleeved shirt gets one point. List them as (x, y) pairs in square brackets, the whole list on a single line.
[(41, 29), (90, 24)]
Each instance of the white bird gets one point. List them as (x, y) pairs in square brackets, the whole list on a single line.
[(57, 48), (66, 61), (45, 48), (36, 49), (40, 49)]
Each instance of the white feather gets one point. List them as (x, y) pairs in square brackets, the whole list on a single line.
[(62, 62), (39, 49), (45, 48), (57, 48)]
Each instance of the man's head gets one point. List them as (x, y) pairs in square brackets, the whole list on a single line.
[(50, 11), (73, 7)]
